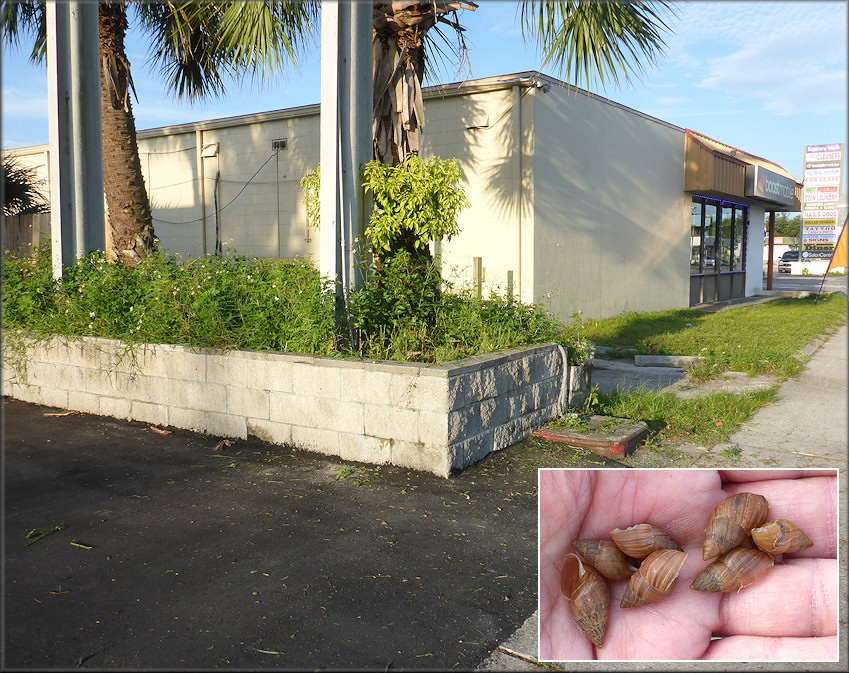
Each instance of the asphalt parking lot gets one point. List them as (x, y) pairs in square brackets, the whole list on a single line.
[(177, 552)]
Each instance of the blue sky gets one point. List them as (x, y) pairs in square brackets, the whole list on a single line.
[(766, 77)]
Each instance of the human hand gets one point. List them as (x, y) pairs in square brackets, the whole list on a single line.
[(789, 614)]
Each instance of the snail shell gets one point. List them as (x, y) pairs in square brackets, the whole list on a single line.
[(780, 536), (606, 557), (655, 579), (733, 570), (641, 540), (732, 521), (586, 592)]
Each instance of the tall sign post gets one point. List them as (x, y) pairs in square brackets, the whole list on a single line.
[(823, 182)]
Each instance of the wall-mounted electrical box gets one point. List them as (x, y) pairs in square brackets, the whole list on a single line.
[(209, 150), (280, 144)]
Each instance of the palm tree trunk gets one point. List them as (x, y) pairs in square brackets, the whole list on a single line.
[(130, 223), (398, 69)]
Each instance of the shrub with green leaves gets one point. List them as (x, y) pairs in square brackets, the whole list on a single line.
[(237, 302), (415, 202), (212, 302), (417, 199)]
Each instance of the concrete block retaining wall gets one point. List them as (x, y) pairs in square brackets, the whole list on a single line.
[(429, 417)]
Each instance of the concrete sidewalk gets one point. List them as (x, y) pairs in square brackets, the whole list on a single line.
[(807, 426)]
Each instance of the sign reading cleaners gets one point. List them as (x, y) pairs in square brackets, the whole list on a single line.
[(820, 193)]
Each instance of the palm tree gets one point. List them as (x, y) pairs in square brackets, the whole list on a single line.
[(20, 186), (587, 41), (197, 46)]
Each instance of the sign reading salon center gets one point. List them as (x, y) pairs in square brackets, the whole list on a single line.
[(821, 191)]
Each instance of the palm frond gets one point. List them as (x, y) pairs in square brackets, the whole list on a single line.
[(197, 46), (21, 188), (18, 19), (182, 37), (596, 42), (260, 38)]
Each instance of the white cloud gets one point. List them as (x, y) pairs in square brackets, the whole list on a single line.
[(24, 104), (672, 100), (789, 56)]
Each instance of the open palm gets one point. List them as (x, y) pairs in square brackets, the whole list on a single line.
[(790, 614)]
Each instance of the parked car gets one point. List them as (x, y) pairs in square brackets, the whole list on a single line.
[(786, 258)]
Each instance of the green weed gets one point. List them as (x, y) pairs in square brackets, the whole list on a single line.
[(706, 419), (732, 452)]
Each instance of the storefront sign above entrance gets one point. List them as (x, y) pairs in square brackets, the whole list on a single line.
[(769, 186)]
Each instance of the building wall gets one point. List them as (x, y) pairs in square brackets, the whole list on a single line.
[(260, 204), (611, 218), (169, 166), (577, 201), (489, 137), (36, 158)]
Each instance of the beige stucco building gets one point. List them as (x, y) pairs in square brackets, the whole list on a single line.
[(577, 201)]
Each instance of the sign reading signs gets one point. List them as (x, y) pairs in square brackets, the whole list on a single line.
[(821, 191), (769, 186)]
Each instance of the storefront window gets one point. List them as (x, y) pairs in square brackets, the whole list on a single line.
[(717, 236), (696, 238), (726, 234), (709, 238), (740, 217)]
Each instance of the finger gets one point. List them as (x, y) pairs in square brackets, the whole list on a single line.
[(798, 598), (759, 648), (764, 475), (560, 637), (564, 499), (809, 502)]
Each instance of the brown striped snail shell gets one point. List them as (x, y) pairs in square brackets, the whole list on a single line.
[(606, 557), (641, 540), (586, 592), (655, 579), (780, 536), (732, 521), (733, 570)]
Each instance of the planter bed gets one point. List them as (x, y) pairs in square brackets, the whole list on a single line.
[(436, 418)]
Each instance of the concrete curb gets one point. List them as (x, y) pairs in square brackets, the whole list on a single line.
[(519, 652), (680, 361), (615, 444)]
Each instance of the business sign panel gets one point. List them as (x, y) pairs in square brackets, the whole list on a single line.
[(769, 186), (821, 190)]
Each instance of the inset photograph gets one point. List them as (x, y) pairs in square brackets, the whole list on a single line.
[(688, 565)]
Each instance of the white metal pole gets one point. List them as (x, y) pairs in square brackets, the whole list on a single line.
[(329, 233), (87, 147), (58, 95), (359, 123), (346, 111)]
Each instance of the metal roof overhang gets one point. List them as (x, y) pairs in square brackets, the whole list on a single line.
[(714, 169)]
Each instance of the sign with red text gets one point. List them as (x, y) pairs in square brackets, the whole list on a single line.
[(821, 188)]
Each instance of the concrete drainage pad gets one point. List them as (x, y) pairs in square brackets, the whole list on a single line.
[(603, 435)]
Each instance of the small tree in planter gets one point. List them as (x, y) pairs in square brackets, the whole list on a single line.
[(414, 203)]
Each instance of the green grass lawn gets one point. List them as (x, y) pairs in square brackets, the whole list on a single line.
[(757, 339)]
